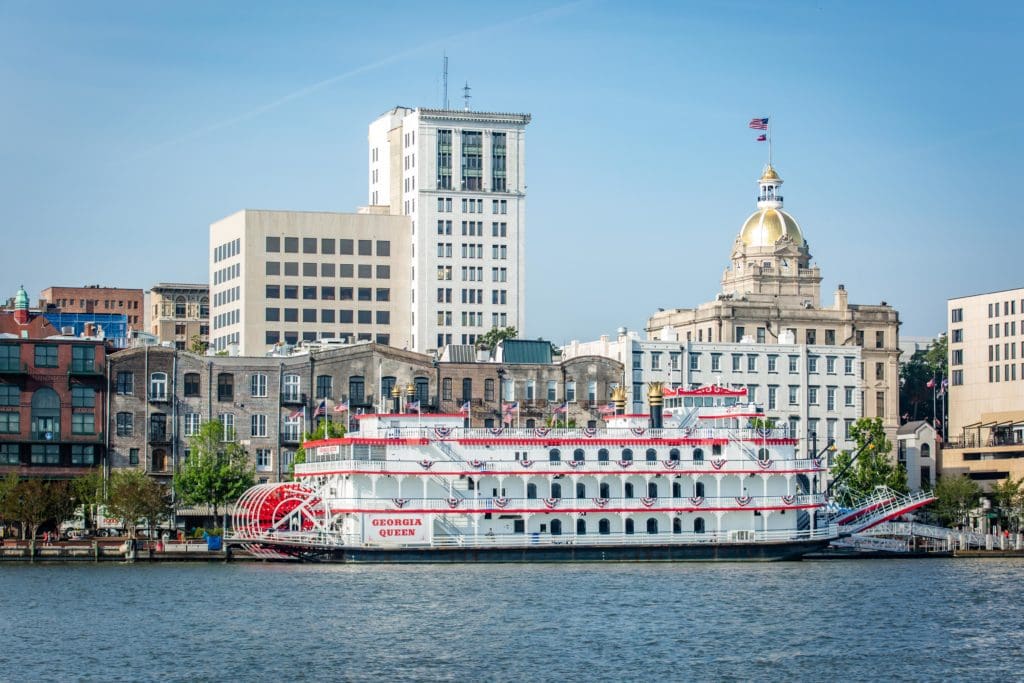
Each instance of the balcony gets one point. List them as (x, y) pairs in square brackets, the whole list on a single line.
[(158, 397), (14, 369), (290, 437), (292, 398), (158, 435), (86, 370)]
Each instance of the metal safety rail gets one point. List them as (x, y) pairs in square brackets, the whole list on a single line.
[(898, 505), (881, 496)]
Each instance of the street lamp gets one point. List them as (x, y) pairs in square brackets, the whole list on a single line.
[(501, 396)]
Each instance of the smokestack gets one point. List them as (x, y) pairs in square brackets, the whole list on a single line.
[(396, 396), (655, 399), (619, 399)]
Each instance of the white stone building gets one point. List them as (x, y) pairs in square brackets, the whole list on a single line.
[(812, 388), (460, 177), (916, 451)]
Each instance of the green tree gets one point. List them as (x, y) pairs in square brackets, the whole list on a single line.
[(955, 498), (936, 357), (489, 340), (872, 467), (136, 499), (197, 345), (915, 396), (1008, 497), (61, 501), (7, 486), (216, 473), (325, 430), (27, 503), (88, 490)]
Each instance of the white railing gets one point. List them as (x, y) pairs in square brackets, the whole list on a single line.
[(861, 542), (556, 505), (543, 467), (896, 505), (941, 533), (642, 433), (483, 540)]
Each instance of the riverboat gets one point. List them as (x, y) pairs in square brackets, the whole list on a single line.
[(703, 477)]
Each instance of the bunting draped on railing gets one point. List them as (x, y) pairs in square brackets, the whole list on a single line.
[(647, 501), (552, 502), (765, 464), (576, 463), (743, 501), (638, 431), (400, 502), (525, 462), (442, 431), (426, 464), (590, 432), (476, 463), (625, 463), (541, 431), (818, 462), (697, 501), (501, 502), (670, 464), (789, 500), (718, 463), (496, 431), (600, 502), (453, 502)]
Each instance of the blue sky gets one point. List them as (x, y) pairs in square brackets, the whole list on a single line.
[(129, 127)]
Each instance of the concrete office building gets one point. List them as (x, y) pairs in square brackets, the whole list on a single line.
[(460, 177), (280, 277), (985, 431)]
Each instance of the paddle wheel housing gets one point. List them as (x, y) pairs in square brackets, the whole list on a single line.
[(282, 507)]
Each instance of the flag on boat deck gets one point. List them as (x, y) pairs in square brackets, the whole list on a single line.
[(759, 124), (562, 409), (464, 410), (321, 409), (607, 409), (341, 407), (413, 406), (297, 414), (511, 407)]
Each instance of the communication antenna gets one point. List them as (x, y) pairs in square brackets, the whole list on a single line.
[(466, 96), (444, 103)]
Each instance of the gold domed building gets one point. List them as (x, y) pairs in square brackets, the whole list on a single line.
[(771, 293)]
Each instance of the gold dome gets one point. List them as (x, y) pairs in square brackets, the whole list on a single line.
[(769, 174), (767, 226)]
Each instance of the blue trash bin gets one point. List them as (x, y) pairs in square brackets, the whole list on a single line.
[(214, 542)]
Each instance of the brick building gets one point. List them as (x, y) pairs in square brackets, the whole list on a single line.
[(96, 299), (51, 397)]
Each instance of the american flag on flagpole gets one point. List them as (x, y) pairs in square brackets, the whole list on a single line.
[(606, 410), (511, 407), (413, 406), (762, 137), (464, 410), (562, 409), (297, 414), (321, 409), (341, 407), (759, 124)]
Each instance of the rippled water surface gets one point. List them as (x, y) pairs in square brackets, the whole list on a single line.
[(852, 620)]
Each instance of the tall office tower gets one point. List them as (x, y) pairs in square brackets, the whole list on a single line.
[(460, 178)]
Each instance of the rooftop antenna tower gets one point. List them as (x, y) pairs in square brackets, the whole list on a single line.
[(445, 102), (466, 96)]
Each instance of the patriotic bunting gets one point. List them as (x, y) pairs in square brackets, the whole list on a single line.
[(718, 463), (426, 464), (552, 502), (670, 464), (789, 500), (442, 431), (600, 502), (647, 501), (743, 501), (400, 502), (501, 502), (525, 462), (625, 463), (589, 432), (697, 501), (453, 502)]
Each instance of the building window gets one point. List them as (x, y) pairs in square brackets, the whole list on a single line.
[(46, 356), (356, 390), (847, 365), (258, 385), (133, 456), (191, 384), (794, 395), (773, 362), (446, 389), (716, 362), (225, 386), (259, 426), (263, 459), (83, 423), (83, 397), (880, 404), (812, 364), (793, 364), (291, 388), (10, 357), (158, 386), (488, 389), (10, 395), (751, 363), (227, 423), (570, 391), (191, 424), (957, 315), (695, 360), (83, 358), (45, 454)]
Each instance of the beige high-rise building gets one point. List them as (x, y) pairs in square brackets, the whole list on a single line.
[(771, 288), (288, 276), (180, 314), (985, 430)]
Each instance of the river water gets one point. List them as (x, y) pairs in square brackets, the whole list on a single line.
[(912, 620)]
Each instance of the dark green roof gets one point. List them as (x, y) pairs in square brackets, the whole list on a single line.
[(526, 351)]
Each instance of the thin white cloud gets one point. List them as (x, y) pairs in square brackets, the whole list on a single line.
[(542, 15)]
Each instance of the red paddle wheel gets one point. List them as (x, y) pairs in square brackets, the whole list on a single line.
[(270, 508)]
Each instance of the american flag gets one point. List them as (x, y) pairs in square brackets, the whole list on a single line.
[(562, 409), (413, 406), (341, 407), (759, 124), (297, 414), (320, 409), (511, 407), (606, 410), (464, 410)]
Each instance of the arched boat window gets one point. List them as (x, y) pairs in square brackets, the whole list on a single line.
[(677, 526), (581, 527), (628, 488), (674, 454), (627, 453), (652, 490), (652, 455), (555, 455), (699, 489), (602, 455), (531, 490), (698, 455), (698, 525), (604, 527), (556, 527), (629, 526), (605, 491), (578, 455), (581, 490), (652, 525), (556, 490)]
